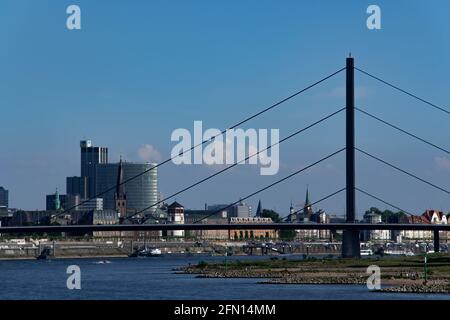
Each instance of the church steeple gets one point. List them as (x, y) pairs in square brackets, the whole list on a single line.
[(120, 195), (259, 210), (307, 209), (307, 196)]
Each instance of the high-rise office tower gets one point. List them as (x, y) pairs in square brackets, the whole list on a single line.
[(90, 157), (77, 186), (141, 192), (4, 198)]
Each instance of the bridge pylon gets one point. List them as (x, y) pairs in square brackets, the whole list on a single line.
[(350, 241)]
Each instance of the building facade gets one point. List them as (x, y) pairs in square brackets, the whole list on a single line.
[(207, 217), (374, 235), (175, 215), (428, 217), (4, 198), (321, 217), (240, 234), (306, 214), (91, 204), (90, 157), (77, 186), (26, 218), (141, 192), (241, 210)]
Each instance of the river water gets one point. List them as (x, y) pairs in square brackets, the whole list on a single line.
[(154, 278)]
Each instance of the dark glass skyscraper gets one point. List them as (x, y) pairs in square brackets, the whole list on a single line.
[(4, 197), (77, 186), (90, 157)]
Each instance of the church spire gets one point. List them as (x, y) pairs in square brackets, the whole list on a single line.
[(121, 197), (120, 186), (307, 209), (307, 197), (259, 210)]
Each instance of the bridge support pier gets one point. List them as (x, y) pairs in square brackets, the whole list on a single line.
[(350, 244), (436, 240)]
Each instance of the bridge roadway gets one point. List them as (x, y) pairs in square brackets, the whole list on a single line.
[(242, 226)]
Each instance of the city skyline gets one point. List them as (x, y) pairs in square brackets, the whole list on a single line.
[(109, 170), (149, 77)]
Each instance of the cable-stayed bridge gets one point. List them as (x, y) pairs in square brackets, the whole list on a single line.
[(351, 245)]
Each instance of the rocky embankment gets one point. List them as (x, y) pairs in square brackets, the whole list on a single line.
[(228, 274), (316, 280), (438, 286), (397, 275)]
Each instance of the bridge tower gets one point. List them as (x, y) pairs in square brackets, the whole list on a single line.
[(350, 240)]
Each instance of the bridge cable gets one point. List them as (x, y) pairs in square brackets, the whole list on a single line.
[(273, 184), (314, 203), (403, 171), (236, 163), (404, 131), (276, 104), (383, 201), (443, 109)]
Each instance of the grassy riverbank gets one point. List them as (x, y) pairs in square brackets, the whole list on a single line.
[(398, 274)]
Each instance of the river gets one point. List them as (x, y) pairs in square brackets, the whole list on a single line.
[(154, 279)]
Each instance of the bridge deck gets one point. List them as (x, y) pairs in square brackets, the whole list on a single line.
[(262, 226)]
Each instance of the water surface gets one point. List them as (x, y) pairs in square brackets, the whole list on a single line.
[(154, 278)]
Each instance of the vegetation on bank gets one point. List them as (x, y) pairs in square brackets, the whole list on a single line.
[(400, 274), (437, 262)]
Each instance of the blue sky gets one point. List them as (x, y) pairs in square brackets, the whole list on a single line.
[(140, 69)]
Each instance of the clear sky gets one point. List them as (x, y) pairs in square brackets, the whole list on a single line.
[(137, 70)]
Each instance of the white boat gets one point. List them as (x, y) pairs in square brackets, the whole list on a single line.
[(146, 252), (155, 252), (366, 252), (396, 252)]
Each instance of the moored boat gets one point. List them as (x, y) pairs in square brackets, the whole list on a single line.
[(146, 252)]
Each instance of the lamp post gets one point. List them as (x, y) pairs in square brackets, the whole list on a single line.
[(425, 267), (226, 260), (307, 250)]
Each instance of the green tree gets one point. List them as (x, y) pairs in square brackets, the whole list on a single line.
[(271, 214), (287, 234), (387, 216)]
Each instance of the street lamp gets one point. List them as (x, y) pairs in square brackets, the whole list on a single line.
[(226, 260), (425, 267), (307, 250)]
